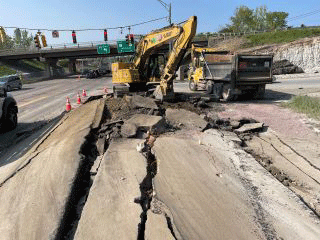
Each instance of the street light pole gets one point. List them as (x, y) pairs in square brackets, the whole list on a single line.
[(168, 7)]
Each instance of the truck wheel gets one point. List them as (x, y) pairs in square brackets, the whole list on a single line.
[(227, 92), (259, 92), (10, 118), (217, 90), (209, 87), (192, 85)]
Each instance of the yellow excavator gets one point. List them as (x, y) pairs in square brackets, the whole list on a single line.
[(150, 65)]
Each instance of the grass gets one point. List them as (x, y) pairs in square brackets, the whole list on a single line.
[(305, 104), (5, 70), (37, 65), (282, 36)]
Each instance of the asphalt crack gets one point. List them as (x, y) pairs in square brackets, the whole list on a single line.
[(80, 189), (146, 188)]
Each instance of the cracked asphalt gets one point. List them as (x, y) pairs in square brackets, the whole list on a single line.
[(206, 186)]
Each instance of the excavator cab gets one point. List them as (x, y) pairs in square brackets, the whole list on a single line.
[(154, 67)]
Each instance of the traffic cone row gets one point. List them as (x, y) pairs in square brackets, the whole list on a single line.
[(105, 90), (79, 101)]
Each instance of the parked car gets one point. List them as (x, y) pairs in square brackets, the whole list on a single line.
[(8, 111), (93, 74), (10, 82)]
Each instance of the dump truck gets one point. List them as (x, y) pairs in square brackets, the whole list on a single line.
[(228, 75), (150, 66), (8, 111)]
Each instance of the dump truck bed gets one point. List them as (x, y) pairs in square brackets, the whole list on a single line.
[(244, 69)]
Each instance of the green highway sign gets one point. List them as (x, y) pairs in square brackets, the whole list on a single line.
[(123, 47), (103, 49)]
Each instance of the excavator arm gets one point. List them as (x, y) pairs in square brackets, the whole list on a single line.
[(180, 46), (153, 41)]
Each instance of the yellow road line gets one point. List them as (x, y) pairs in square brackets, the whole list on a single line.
[(32, 101)]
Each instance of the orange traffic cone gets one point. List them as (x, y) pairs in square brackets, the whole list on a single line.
[(78, 99), (84, 93), (78, 77), (105, 90), (68, 105)]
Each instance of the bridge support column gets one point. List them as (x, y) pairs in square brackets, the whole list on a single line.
[(52, 68), (180, 73), (72, 66)]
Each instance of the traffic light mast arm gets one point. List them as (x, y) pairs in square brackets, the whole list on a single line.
[(153, 41)]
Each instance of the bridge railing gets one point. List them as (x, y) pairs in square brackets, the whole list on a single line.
[(21, 50)]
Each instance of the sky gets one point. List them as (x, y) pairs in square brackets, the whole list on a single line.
[(82, 14)]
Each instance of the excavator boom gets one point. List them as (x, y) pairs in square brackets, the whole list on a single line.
[(180, 46)]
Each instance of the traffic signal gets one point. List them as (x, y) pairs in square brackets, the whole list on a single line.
[(2, 35), (127, 39), (74, 37), (131, 38), (37, 41), (105, 34), (44, 40)]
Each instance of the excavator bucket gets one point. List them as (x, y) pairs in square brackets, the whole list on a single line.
[(161, 94)]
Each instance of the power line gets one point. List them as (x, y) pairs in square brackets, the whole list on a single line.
[(89, 29), (304, 15)]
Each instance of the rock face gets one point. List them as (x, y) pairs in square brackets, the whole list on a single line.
[(303, 54)]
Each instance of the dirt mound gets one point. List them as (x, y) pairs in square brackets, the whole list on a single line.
[(232, 44)]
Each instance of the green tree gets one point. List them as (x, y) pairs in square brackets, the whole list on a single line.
[(277, 20), (17, 36), (7, 43), (22, 38), (26, 38), (260, 18), (243, 19)]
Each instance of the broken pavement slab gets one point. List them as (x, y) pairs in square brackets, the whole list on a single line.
[(110, 211), (293, 162), (214, 191), (33, 196), (249, 127), (190, 120), (146, 122), (157, 227), (142, 102)]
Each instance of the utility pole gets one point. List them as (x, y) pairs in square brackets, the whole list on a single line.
[(168, 7)]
